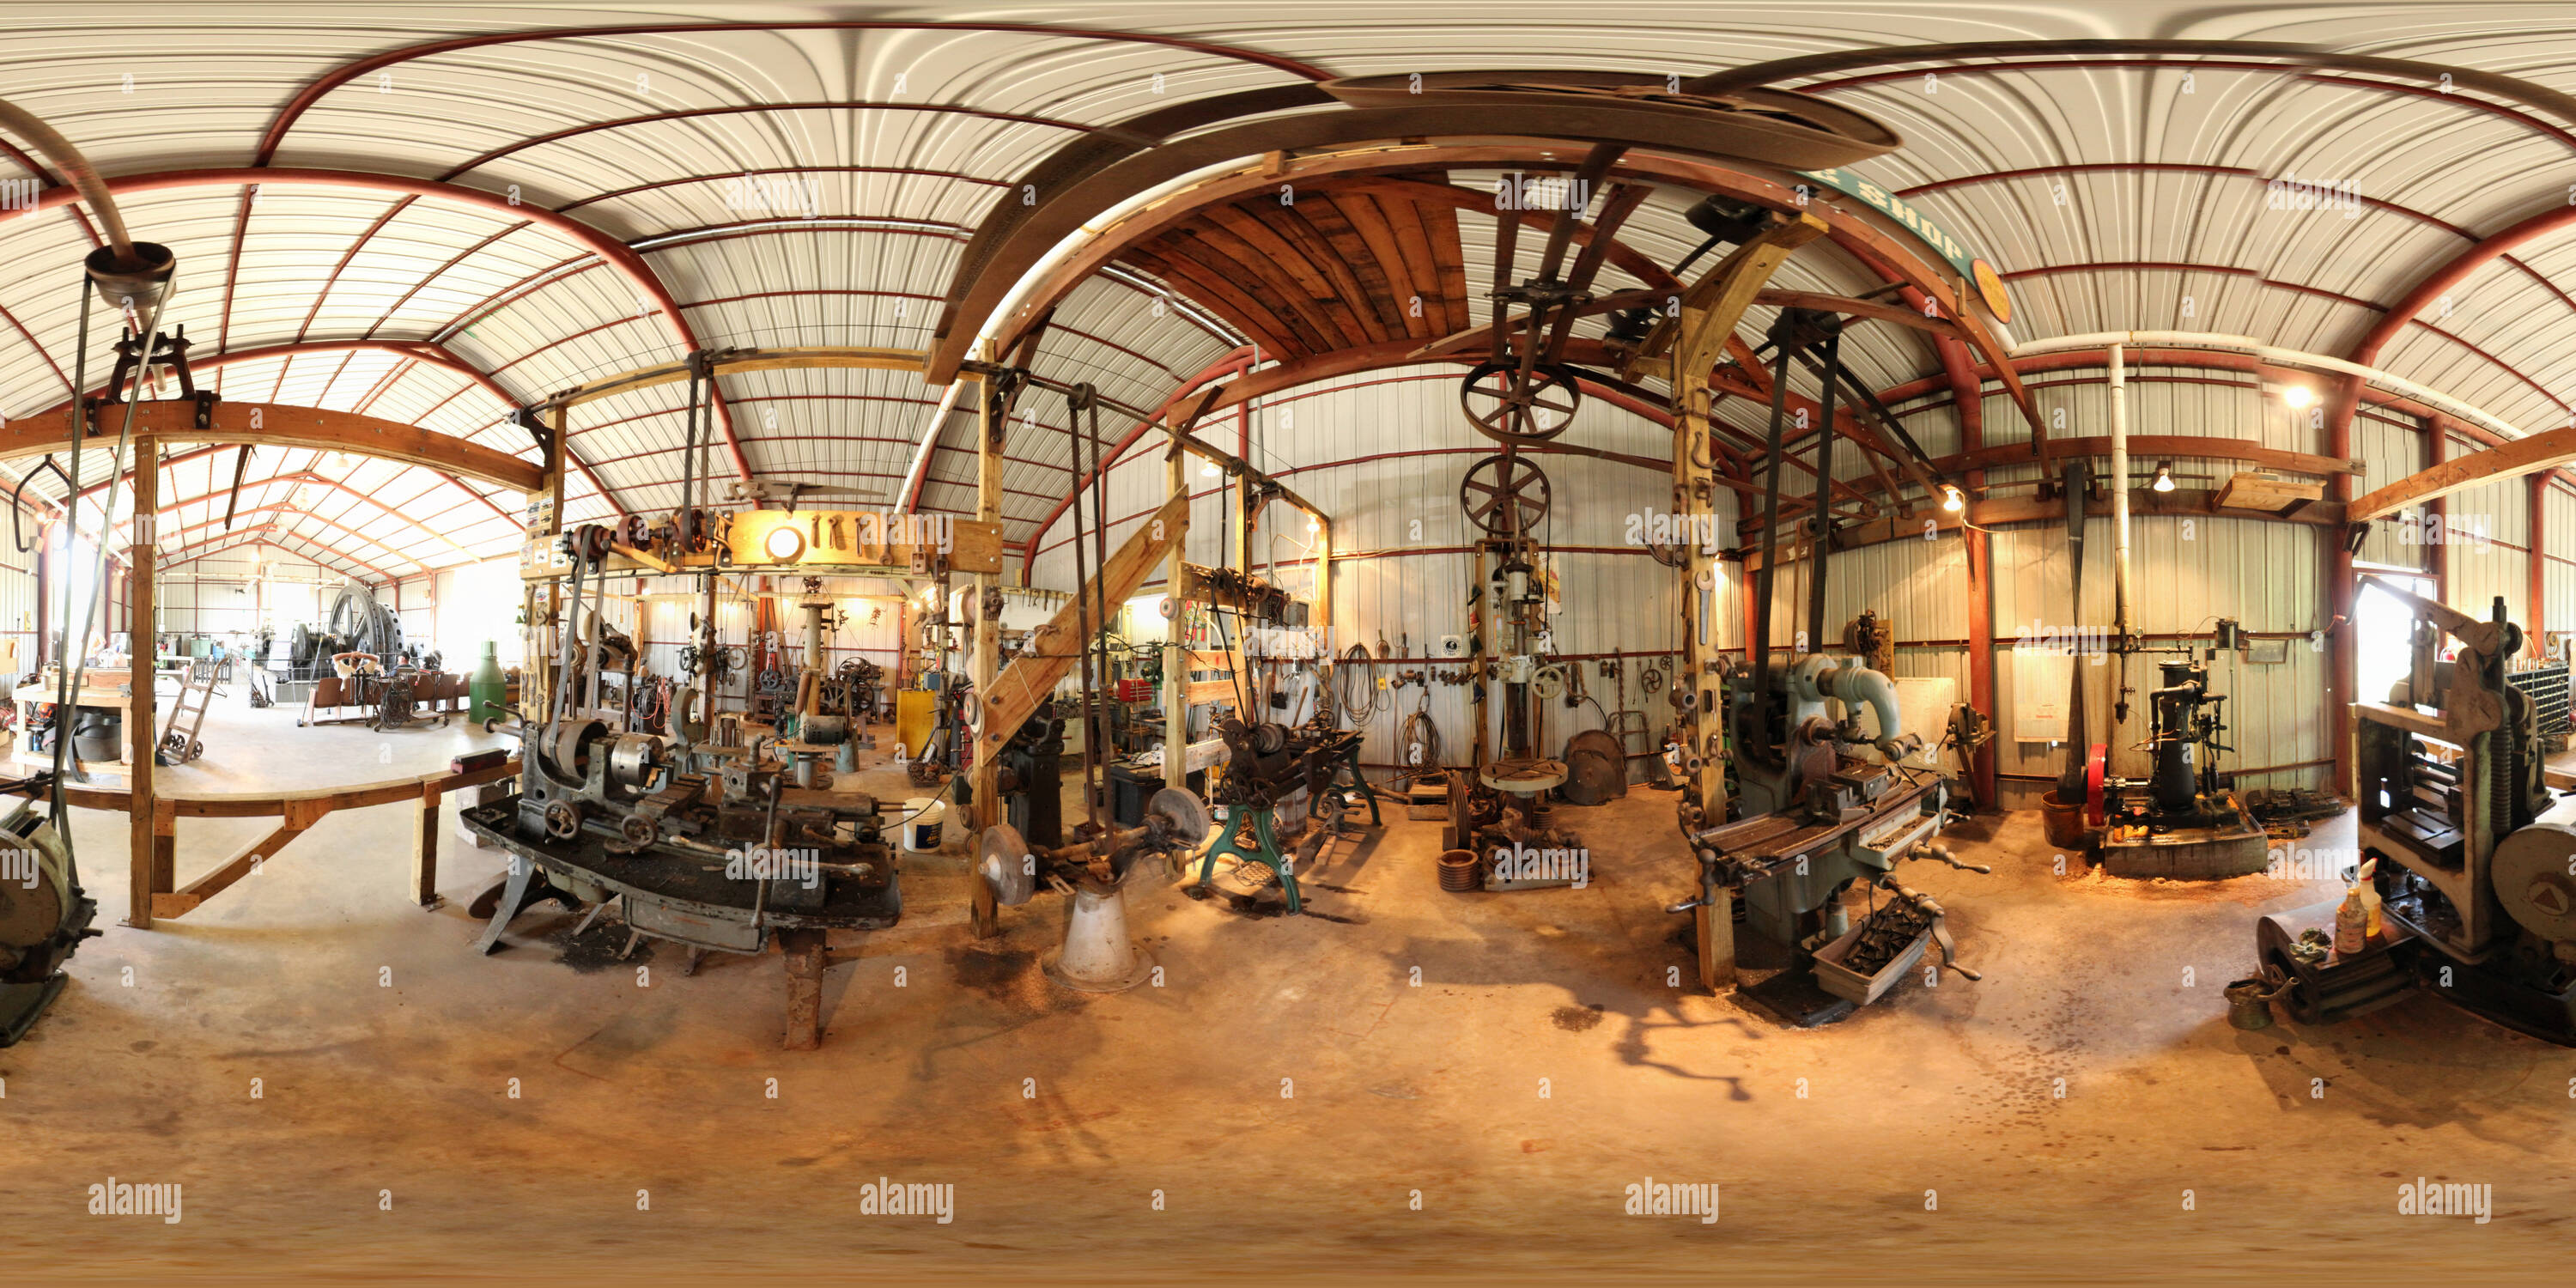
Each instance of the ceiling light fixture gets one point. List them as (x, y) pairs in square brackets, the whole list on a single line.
[(1952, 499), (2164, 476)]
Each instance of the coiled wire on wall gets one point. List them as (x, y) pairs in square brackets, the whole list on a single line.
[(1420, 731), (1354, 664)]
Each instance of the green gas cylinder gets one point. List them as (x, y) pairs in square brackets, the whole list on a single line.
[(488, 692)]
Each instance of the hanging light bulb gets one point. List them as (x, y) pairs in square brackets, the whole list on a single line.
[(2164, 476), (1952, 499), (2298, 396), (1209, 469), (1314, 525)]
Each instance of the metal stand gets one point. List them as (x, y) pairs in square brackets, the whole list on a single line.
[(1264, 850)]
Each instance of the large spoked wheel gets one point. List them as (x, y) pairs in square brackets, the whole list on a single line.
[(1504, 495), (1510, 408)]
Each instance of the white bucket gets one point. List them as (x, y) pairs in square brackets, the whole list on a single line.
[(921, 830)]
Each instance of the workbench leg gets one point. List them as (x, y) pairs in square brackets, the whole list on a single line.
[(1280, 863), (803, 951), (424, 852), (1717, 941), (165, 848), (1224, 842)]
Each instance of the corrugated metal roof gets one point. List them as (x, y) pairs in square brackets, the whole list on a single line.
[(826, 179)]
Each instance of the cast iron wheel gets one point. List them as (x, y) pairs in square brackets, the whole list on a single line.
[(1507, 408), (1504, 495)]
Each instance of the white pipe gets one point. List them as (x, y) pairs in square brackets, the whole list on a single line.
[(2119, 494), (2279, 357)]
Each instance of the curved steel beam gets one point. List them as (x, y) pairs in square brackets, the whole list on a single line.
[(610, 251), (1082, 181), (1766, 75), (305, 98)]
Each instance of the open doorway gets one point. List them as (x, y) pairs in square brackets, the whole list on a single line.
[(2385, 625)]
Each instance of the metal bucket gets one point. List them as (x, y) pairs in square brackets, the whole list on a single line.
[(2249, 1004)]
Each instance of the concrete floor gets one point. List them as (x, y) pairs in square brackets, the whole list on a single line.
[(1290, 1092)]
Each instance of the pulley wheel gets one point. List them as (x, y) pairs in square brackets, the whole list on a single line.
[(1003, 861), (1504, 495), (1510, 408), (2097, 768)]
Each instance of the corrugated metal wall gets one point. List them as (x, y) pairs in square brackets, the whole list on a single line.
[(1385, 453)]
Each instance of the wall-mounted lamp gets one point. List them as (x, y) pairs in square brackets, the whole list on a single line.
[(2164, 477), (784, 543)]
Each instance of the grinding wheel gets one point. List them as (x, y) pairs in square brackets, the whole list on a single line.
[(1004, 862), (1183, 813), (1597, 768)]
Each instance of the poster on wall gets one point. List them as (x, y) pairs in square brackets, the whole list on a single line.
[(2039, 695)]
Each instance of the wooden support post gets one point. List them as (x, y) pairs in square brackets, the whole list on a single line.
[(1968, 397), (1176, 651), (146, 878), (424, 849), (806, 960), (1692, 341), (990, 733), (2535, 634), (2437, 512)]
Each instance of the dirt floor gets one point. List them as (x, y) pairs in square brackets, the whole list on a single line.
[(1408, 1081)]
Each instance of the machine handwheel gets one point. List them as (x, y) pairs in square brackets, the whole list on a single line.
[(1548, 683), (563, 820), (1510, 408), (1504, 495)]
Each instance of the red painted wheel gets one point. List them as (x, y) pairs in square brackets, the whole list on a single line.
[(2097, 764)]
